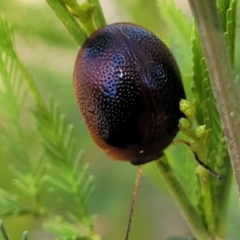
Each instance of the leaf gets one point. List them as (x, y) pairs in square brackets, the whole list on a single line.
[(231, 28), (179, 25), (179, 238), (57, 142), (59, 147), (3, 231), (66, 230), (25, 235), (10, 204), (215, 152)]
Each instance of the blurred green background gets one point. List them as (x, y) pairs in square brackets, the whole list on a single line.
[(49, 52)]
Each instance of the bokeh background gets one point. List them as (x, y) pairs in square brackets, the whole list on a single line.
[(49, 52)]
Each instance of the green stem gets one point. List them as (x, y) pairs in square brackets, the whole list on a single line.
[(207, 200), (83, 12), (197, 227), (68, 21), (206, 190), (98, 14), (219, 67), (221, 198)]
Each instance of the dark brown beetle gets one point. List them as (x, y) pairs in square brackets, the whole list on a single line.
[(128, 87)]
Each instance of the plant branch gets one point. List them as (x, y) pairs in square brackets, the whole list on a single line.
[(207, 203), (178, 193), (83, 12), (68, 21), (98, 14), (219, 67)]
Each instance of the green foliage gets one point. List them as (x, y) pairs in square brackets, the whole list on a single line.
[(180, 26), (148, 18), (227, 10), (53, 165), (179, 238), (89, 14), (4, 233), (69, 22), (212, 204), (57, 163)]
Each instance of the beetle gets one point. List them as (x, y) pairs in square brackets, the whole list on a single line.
[(128, 87)]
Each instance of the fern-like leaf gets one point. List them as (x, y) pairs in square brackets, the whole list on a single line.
[(65, 170), (215, 153), (25, 235), (179, 25), (60, 146), (67, 231), (11, 205), (12, 99), (3, 231), (5, 235)]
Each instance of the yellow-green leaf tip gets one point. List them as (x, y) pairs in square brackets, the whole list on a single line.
[(201, 131), (187, 108)]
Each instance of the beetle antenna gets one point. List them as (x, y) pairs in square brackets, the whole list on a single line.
[(211, 171), (134, 194)]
